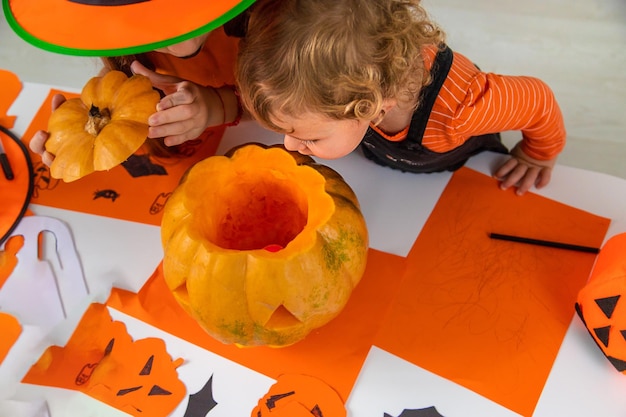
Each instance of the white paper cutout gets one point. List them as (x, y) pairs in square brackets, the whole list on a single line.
[(34, 292), (16, 408)]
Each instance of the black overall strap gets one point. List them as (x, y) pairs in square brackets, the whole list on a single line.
[(409, 154), (439, 71)]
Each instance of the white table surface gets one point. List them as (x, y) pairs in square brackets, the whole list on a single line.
[(582, 382)]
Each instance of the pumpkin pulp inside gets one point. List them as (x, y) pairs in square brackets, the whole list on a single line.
[(256, 211)]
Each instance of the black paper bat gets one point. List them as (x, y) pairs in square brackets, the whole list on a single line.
[(422, 412), (202, 402)]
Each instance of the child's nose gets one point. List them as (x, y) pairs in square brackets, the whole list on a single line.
[(292, 144)]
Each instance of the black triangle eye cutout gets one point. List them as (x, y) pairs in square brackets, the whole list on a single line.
[(623, 332), (608, 304), (602, 333)]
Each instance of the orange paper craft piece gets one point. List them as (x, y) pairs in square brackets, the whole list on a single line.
[(11, 87), (601, 302), (10, 329), (102, 361), (8, 257), (136, 190), (487, 314), (334, 352), (300, 396)]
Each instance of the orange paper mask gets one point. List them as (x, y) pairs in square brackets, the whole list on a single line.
[(601, 304)]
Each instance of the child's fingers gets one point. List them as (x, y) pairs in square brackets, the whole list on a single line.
[(57, 100), (37, 142), (178, 98)]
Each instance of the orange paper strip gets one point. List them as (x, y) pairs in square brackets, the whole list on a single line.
[(136, 190), (11, 87), (487, 314), (10, 329), (334, 353), (101, 360)]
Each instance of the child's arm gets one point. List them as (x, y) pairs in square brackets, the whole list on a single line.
[(497, 103)]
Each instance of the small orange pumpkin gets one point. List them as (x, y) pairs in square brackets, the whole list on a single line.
[(103, 127), (263, 245)]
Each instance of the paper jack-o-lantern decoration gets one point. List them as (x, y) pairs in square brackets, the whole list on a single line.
[(601, 302), (263, 245), (300, 396), (102, 128), (101, 360)]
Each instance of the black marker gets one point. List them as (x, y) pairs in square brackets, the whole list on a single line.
[(547, 243)]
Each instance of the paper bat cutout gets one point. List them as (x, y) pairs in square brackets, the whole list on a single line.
[(34, 292), (102, 361), (202, 402), (422, 412), (141, 166)]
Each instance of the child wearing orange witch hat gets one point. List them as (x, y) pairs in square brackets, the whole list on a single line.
[(187, 52)]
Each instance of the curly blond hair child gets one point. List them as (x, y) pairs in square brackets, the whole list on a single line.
[(335, 74)]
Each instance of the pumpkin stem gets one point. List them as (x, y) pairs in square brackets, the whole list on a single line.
[(97, 120)]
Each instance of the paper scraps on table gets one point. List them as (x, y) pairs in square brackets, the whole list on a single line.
[(11, 87), (300, 396), (10, 329), (59, 291), (101, 360)]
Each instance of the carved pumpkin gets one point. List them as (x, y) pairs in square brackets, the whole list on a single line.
[(300, 396), (262, 245), (601, 303), (103, 127)]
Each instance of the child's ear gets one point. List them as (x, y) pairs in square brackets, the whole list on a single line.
[(388, 104)]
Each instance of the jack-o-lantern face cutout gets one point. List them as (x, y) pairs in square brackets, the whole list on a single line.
[(601, 304), (102, 361), (300, 396)]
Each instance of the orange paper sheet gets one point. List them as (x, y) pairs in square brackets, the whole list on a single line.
[(487, 314), (334, 353), (136, 190), (10, 329), (101, 360)]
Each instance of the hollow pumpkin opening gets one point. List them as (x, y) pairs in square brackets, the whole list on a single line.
[(256, 211)]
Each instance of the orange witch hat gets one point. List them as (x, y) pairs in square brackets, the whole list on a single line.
[(115, 27)]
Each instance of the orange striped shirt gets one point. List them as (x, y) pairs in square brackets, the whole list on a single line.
[(472, 102)]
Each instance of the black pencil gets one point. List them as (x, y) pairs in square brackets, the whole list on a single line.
[(547, 243)]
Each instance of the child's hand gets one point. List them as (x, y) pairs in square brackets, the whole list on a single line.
[(524, 171), (186, 110), (37, 143)]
